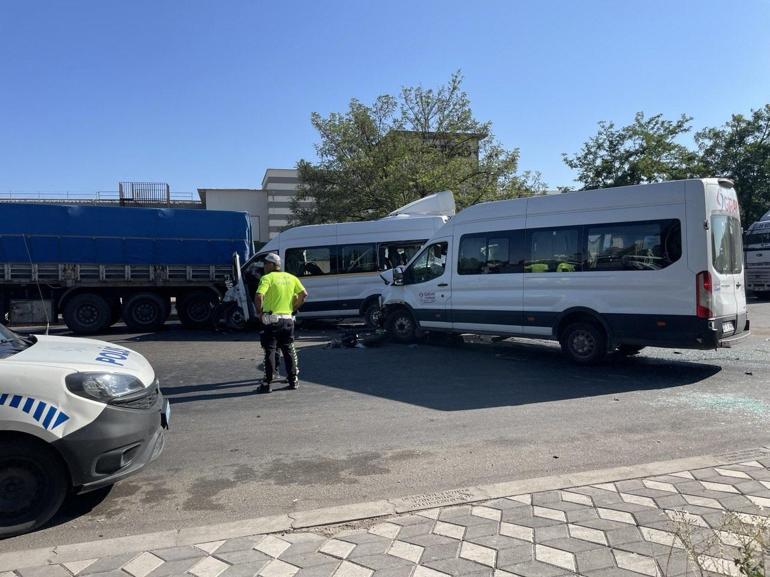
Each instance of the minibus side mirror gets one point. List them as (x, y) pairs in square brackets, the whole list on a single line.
[(398, 276)]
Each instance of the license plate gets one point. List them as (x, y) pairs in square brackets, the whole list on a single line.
[(167, 415), (728, 327)]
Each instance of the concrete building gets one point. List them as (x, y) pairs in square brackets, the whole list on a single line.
[(269, 207)]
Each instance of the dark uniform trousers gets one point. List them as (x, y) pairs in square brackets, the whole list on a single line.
[(280, 335)]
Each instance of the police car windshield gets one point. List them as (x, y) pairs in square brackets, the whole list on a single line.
[(11, 343)]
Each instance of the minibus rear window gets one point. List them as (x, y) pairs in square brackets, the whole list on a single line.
[(726, 244)]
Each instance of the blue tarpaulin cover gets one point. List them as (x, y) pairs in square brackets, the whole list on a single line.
[(46, 233)]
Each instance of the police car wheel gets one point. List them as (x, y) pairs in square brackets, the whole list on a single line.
[(33, 486)]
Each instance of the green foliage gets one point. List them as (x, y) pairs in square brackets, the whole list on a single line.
[(375, 158), (648, 150), (644, 151), (740, 150)]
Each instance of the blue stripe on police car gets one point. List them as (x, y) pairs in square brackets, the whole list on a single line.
[(51, 419)]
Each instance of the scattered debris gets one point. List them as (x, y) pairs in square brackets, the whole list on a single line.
[(749, 373)]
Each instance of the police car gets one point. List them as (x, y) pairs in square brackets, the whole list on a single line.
[(75, 415)]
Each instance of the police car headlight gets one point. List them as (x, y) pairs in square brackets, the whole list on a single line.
[(104, 387)]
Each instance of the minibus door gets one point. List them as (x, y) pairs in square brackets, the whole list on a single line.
[(727, 265), (427, 286)]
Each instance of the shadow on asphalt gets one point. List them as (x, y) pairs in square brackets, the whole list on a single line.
[(466, 377), (76, 506), (476, 376)]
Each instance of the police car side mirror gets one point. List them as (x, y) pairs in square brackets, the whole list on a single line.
[(398, 276)]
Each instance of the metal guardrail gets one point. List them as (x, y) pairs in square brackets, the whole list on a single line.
[(99, 197)]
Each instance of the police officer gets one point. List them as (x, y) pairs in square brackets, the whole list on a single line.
[(278, 297)]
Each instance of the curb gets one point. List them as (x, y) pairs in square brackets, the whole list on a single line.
[(348, 513)]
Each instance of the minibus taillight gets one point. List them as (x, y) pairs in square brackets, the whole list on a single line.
[(703, 295)]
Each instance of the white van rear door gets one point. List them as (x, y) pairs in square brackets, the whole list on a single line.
[(729, 295)]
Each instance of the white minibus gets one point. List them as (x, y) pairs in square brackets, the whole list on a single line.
[(339, 264), (605, 270)]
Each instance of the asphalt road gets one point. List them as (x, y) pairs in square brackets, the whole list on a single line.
[(395, 420)]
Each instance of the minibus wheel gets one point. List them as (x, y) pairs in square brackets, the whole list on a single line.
[(584, 343), (372, 314), (33, 485), (401, 326)]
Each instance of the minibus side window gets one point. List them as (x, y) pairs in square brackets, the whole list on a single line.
[(554, 250), (491, 253), (398, 253), (430, 264), (358, 258), (651, 245), (312, 261)]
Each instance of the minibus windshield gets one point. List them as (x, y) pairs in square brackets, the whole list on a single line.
[(726, 244)]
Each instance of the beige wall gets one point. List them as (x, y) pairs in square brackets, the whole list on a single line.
[(252, 201)]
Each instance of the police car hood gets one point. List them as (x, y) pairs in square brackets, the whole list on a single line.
[(86, 355)]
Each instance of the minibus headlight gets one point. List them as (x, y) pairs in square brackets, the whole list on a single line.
[(104, 387)]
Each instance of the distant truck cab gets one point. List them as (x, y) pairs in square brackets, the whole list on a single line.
[(598, 271), (757, 250)]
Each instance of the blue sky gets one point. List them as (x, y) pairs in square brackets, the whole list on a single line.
[(210, 93)]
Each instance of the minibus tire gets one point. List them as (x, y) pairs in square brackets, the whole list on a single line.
[(87, 313), (401, 326), (372, 314), (31, 471), (584, 343)]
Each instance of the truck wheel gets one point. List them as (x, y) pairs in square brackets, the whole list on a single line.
[(584, 343), (402, 326), (372, 314), (33, 485), (145, 311), (195, 309), (87, 313)]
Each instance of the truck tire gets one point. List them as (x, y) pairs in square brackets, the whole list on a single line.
[(401, 326), (87, 313), (584, 343), (33, 485), (196, 308), (145, 311)]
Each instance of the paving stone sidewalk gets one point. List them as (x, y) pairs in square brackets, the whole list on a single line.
[(614, 529)]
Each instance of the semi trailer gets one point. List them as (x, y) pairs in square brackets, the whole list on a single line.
[(97, 265)]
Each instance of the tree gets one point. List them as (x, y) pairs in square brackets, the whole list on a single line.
[(644, 151), (374, 159), (740, 150)]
